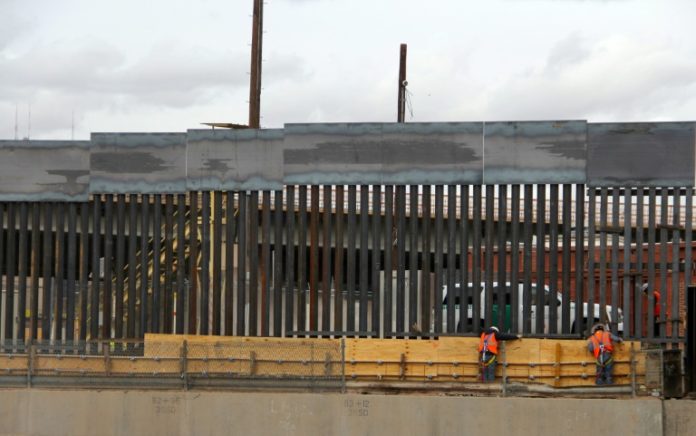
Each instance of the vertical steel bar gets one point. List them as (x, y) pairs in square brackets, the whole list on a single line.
[(242, 221), (476, 323), (133, 261), (502, 258), (167, 297), (350, 258), (338, 262), (515, 302), (412, 260), (400, 217), (591, 257), (217, 262), (11, 258), (72, 271), (554, 320), (60, 269), (84, 267), (193, 263), (278, 266), (688, 247), (145, 317), (108, 266), (230, 236), (205, 263), (364, 271), (489, 275), (463, 292), (253, 210), (451, 258), (10, 268), (527, 259), (96, 270), (676, 226), (388, 306), (651, 260), (638, 296), (265, 262), (376, 258), (3, 267), (302, 259), (566, 226), (664, 223), (627, 288), (580, 252), (35, 268), (120, 263), (616, 207), (180, 261), (290, 265), (22, 261), (156, 261), (437, 264), (426, 300), (314, 258), (540, 255), (603, 256), (326, 260)]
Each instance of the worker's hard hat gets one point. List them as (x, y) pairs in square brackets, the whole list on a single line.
[(597, 327), (644, 288), (494, 328)]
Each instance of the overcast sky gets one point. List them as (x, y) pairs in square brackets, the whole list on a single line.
[(168, 65)]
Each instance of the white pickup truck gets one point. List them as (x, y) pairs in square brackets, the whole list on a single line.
[(587, 323)]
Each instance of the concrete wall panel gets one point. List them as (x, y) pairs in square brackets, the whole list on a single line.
[(234, 159), (375, 153), (84, 412), (535, 152), (138, 163), (44, 170), (640, 154)]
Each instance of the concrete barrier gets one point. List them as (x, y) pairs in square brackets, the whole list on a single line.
[(83, 412)]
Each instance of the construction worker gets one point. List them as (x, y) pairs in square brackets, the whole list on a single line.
[(656, 309), (488, 351), (601, 345)]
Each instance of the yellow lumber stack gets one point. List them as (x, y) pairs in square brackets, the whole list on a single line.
[(558, 363)]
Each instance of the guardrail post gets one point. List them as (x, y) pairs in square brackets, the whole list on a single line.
[(183, 363)]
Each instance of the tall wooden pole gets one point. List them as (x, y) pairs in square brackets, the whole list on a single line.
[(255, 79), (401, 110)]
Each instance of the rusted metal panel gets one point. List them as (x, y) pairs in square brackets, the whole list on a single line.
[(377, 153), (235, 159), (640, 154), (138, 163), (44, 170), (535, 152)]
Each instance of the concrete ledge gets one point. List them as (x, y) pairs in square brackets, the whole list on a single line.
[(74, 412)]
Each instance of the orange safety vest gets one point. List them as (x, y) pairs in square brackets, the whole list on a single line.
[(488, 343), (601, 339)]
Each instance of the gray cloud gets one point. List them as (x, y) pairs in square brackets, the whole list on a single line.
[(616, 78)]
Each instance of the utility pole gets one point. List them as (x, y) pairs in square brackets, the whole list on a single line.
[(255, 79), (401, 109)]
